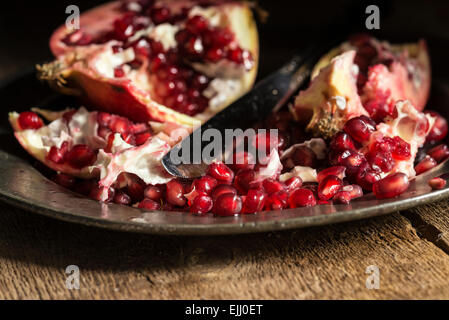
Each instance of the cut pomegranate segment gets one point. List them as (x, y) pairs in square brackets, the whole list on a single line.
[(177, 61)]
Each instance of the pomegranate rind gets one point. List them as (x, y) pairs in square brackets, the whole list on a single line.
[(69, 75)]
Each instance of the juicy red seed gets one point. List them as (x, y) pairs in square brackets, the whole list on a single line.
[(301, 198), (135, 189), (80, 156), (329, 187), (360, 128), (205, 184), (160, 15), (342, 141), (201, 204), (221, 172), (383, 161), (153, 192), (437, 183), (439, 129), (304, 156), (351, 160), (293, 183), (221, 37), (141, 138), (227, 205), (196, 24), (338, 171), (401, 149), (439, 153), (254, 201), (354, 190), (244, 179), (64, 180), (194, 47), (215, 54), (56, 155), (175, 193), (84, 187), (222, 189), (122, 198), (236, 55), (243, 160), (103, 132), (149, 204), (391, 186), (277, 201), (119, 125), (103, 119), (425, 165), (272, 186), (119, 72), (366, 177), (101, 194), (157, 62), (30, 120), (342, 197), (129, 138)]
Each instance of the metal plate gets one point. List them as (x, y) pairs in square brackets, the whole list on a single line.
[(22, 185)]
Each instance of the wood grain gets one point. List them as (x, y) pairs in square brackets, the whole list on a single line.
[(316, 263)]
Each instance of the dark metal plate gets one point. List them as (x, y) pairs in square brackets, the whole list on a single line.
[(22, 185)]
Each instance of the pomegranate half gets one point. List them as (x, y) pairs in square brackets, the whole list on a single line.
[(178, 61)]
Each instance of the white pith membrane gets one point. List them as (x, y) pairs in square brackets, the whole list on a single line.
[(230, 80), (143, 161)]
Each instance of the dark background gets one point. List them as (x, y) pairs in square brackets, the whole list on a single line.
[(25, 27)]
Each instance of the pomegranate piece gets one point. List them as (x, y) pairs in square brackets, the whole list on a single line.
[(149, 204), (57, 155), (272, 186), (439, 130), (85, 186), (175, 193), (244, 180), (350, 159), (437, 183), (154, 193), (360, 128), (202, 204), (101, 194), (277, 201), (354, 190), (301, 198), (205, 184), (122, 198), (342, 197), (222, 189), (391, 186), (439, 153), (366, 177), (341, 141), (221, 172), (293, 183), (64, 180), (401, 149), (329, 186), (425, 165), (30, 120), (227, 204), (254, 201), (338, 171), (80, 156)]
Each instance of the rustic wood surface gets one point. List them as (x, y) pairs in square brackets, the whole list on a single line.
[(409, 248)]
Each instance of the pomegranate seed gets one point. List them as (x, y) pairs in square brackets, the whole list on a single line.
[(391, 186), (99, 193), (351, 160), (401, 149), (222, 189), (196, 24), (221, 172), (244, 180), (215, 54), (342, 197), (103, 119), (64, 180), (141, 138), (157, 62), (80, 156), (329, 187), (119, 72), (194, 47), (119, 125), (57, 155), (222, 37), (380, 155), (149, 204), (425, 165), (341, 141), (302, 198), (154, 193), (135, 188), (205, 184), (122, 198), (304, 156), (103, 132), (272, 186), (366, 177), (338, 171), (439, 153), (360, 128), (437, 183), (439, 129), (254, 201), (227, 204), (84, 187), (293, 183), (29, 120), (129, 138), (160, 15), (276, 201), (175, 193), (236, 55), (202, 204), (182, 36)]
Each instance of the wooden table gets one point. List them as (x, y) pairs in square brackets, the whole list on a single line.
[(410, 249)]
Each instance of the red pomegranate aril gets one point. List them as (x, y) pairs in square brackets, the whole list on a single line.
[(122, 198), (341, 141), (182, 36), (64, 180), (352, 160), (366, 177), (236, 55), (439, 129), (323, 202), (84, 187), (119, 125), (342, 197), (227, 204), (244, 179), (154, 193), (196, 24), (135, 189), (119, 72), (360, 128), (391, 186), (57, 155), (277, 201), (222, 189), (401, 149), (175, 193), (141, 138), (221, 172), (338, 171), (221, 37), (29, 120), (304, 156), (215, 54), (437, 183), (157, 62), (354, 190), (425, 165), (149, 204), (301, 198), (329, 186), (272, 186), (103, 119), (194, 47), (129, 138), (293, 183), (202, 204), (205, 184), (103, 132), (439, 153), (160, 15), (101, 194), (80, 156), (254, 201)]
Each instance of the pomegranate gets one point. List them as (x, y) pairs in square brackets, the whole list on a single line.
[(437, 183), (391, 186), (302, 198), (178, 61)]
